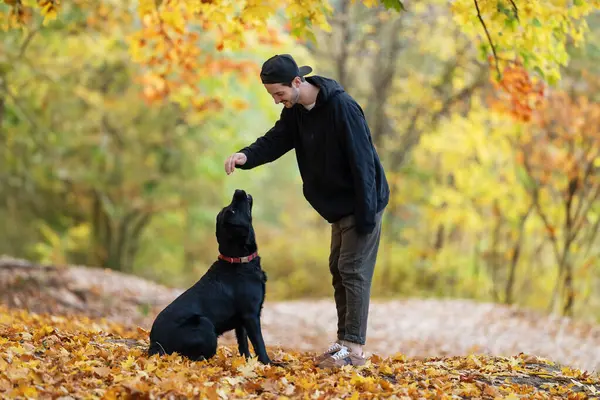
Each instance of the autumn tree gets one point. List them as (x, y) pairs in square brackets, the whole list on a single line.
[(557, 153), (81, 139), (520, 206), (109, 163), (560, 153), (167, 40), (87, 163)]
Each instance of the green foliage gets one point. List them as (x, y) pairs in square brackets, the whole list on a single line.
[(394, 4)]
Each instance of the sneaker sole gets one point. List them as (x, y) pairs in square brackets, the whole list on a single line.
[(319, 359)]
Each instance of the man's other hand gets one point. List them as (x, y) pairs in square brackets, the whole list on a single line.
[(233, 160)]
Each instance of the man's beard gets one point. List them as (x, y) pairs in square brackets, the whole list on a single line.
[(295, 101)]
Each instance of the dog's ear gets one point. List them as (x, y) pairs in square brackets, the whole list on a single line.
[(218, 223)]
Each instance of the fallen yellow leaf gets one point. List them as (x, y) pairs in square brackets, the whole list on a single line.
[(103, 372)]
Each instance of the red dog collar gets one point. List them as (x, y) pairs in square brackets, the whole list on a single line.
[(239, 259)]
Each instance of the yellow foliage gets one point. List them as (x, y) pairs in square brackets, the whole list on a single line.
[(85, 358), (535, 30), (56, 248)]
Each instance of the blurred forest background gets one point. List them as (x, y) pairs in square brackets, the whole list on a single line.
[(495, 190)]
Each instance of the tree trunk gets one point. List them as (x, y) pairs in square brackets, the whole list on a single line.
[(342, 59), (382, 82), (494, 258), (1, 112), (115, 243), (135, 236), (569, 291), (510, 283), (100, 233)]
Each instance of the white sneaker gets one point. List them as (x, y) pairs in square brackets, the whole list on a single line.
[(334, 348)]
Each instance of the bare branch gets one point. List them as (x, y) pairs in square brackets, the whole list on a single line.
[(19, 107), (27, 41), (488, 36), (591, 236), (540, 212), (587, 175), (580, 219), (553, 239), (413, 136), (515, 9), (376, 27)]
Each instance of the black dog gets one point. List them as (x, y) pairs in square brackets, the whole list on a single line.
[(229, 296)]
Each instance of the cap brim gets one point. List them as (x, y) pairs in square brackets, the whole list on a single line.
[(305, 70)]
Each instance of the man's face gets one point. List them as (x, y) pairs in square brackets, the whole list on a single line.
[(284, 94)]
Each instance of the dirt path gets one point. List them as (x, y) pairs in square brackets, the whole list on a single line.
[(431, 328), (415, 328)]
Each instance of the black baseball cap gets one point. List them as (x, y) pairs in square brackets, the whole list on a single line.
[(282, 68)]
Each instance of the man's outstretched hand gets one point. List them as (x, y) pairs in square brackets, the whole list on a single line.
[(233, 160)]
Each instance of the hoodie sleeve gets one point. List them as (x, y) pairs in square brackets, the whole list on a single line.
[(269, 147), (357, 143)]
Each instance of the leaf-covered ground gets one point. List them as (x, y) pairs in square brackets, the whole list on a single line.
[(477, 346), (45, 356)]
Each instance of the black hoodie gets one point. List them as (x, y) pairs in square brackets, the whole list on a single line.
[(339, 165)]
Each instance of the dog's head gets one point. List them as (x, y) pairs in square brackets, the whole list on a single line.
[(235, 233)]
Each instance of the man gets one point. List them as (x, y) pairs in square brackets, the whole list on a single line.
[(343, 180)]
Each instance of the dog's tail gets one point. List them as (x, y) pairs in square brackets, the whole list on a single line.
[(156, 348)]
